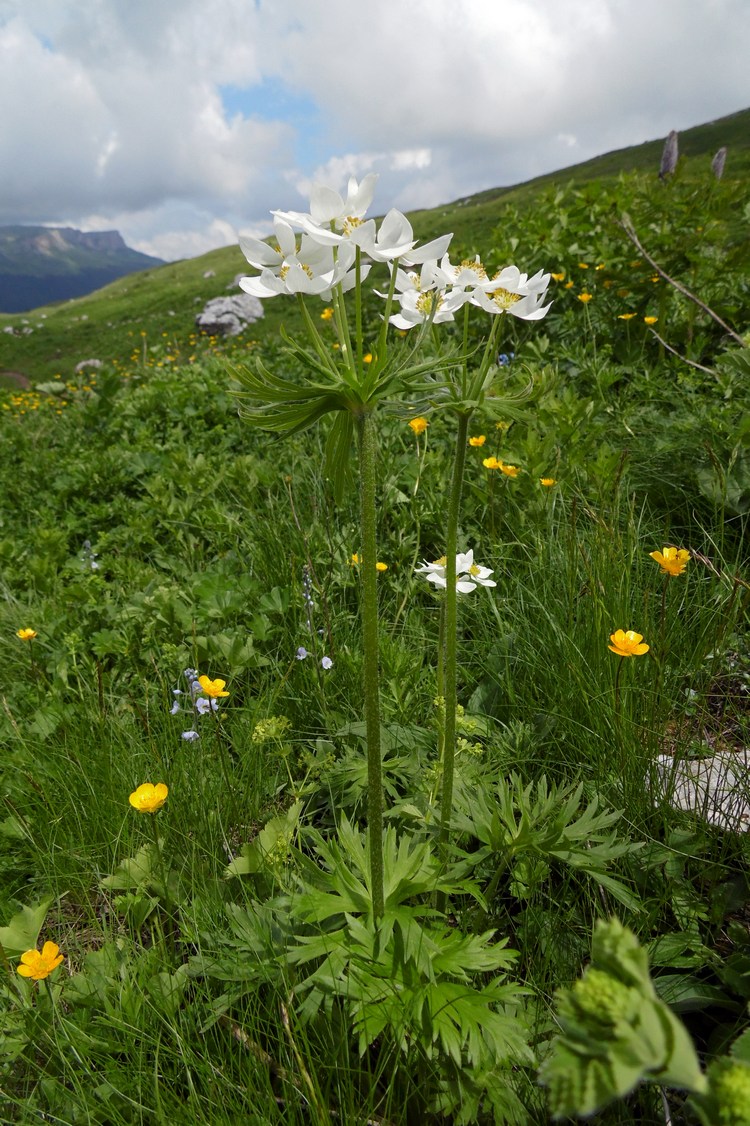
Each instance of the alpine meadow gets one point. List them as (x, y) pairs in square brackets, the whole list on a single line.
[(376, 699)]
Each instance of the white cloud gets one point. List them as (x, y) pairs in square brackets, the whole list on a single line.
[(113, 110)]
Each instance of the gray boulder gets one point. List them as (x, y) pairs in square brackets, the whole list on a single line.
[(228, 316)]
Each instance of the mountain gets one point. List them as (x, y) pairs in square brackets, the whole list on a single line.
[(39, 265)]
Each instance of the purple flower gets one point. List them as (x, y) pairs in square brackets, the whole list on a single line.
[(202, 705), (327, 663), (190, 736), (301, 653)]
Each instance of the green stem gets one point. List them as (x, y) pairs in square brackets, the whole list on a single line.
[(369, 613), (451, 625)]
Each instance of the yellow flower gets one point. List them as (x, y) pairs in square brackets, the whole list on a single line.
[(627, 643), (585, 297), (558, 277), (510, 470), (419, 424), (38, 964), (548, 482), (625, 316), (601, 266), (149, 798), (672, 560), (479, 440), (212, 688), (650, 320), (26, 634), (381, 567), (327, 314), (491, 463), (502, 425), (655, 279), (569, 284), (367, 358), (583, 266), (354, 559)]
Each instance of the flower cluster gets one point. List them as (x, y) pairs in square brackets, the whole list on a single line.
[(469, 574), (334, 235), (204, 695)]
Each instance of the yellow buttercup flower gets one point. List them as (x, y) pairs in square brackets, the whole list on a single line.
[(510, 470), (354, 559), (548, 482), (367, 358), (40, 964), (381, 567), (419, 424), (327, 314), (212, 688), (627, 643), (650, 320), (585, 297), (479, 440), (26, 634), (491, 463), (625, 316), (149, 798), (672, 560), (583, 266), (569, 284), (558, 277)]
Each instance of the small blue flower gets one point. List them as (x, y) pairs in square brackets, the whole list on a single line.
[(175, 708), (301, 653), (505, 358), (327, 663)]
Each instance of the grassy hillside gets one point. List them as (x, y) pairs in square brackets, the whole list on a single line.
[(156, 309)]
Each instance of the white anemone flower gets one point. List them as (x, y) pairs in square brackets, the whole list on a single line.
[(431, 304), (510, 291), (395, 239), (332, 218), (263, 255), (468, 573), (465, 565), (465, 275)]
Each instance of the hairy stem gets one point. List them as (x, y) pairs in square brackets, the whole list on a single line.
[(369, 614)]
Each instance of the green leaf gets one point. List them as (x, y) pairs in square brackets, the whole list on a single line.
[(22, 933)]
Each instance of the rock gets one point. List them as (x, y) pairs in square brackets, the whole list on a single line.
[(228, 316), (209, 273)]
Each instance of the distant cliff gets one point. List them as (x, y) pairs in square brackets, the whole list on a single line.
[(39, 265)]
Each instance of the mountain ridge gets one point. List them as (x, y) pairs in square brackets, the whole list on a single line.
[(40, 265)]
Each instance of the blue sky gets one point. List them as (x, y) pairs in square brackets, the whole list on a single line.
[(184, 122), (272, 100)]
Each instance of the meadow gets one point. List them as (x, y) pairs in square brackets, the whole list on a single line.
[(320, 841)]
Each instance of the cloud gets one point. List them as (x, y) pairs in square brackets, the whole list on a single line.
[(119, 114)]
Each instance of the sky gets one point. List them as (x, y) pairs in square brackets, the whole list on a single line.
[(182, 123)]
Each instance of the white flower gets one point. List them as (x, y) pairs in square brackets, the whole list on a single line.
[(190, 736), (331, 218), (468, 573), (434, 305), (175, 708), (263, 255), (466, 275), (510, 291), (202, 705), (395, 239), (465, 565)]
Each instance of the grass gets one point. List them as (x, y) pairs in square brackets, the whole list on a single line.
[(221, 965)]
